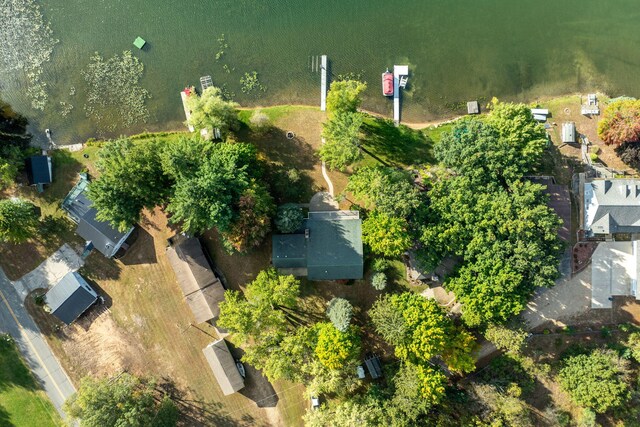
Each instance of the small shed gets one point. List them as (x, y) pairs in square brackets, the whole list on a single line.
[(70, 297), (39, 170), (568, 133), (373, 366), (224, 367), (473, 107)]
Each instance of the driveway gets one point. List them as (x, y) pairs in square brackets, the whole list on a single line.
[(15, 321)]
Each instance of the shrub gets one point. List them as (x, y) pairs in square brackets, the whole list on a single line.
[(593, 157), (629, 153), (509, 340), (596, 380), (260, 123), (379, 281), (620, 122), (339, 312), (289, 218), (380, 265)]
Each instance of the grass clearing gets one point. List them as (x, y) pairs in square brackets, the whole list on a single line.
[(22, 402)]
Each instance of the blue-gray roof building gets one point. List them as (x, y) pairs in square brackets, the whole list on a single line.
[(328, 246), (100, 235), (70, 297), (39, 170), (612, 206)]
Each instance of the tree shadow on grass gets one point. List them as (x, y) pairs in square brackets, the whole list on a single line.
[(196, 412), (13, 371), (4, 417), (399, 145)]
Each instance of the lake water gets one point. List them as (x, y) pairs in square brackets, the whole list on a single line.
[(457, 50)]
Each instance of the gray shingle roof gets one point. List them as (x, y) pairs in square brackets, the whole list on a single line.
[(70, 297), (612, 206), (224, 367)]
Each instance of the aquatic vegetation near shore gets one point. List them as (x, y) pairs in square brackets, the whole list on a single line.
[(222, 45), (250, 83), (26, 44), (65, 108), (114, 96)]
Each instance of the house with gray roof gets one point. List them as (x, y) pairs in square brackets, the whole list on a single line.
[(328, 246), (202, 290), (99, 235), (611, 206), (70, 297), (224, 367)]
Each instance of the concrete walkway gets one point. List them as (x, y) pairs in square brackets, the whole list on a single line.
[(15, 321), (326, 176)]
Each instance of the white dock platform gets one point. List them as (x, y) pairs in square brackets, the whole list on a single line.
[(187, 112), (323, 84), (205, 82), (399, 71)]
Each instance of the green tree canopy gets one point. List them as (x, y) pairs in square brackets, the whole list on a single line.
[(423, 332), (344, 96), (18, 220), (124, 400), (620, 122), (253, 222), (508, 240), (385, 189), (181, 158), (211, 110), (385, 235), (262, 314), (130, 179), (210, 197), (510, 340), (335, 348), (596, 380), (341, 147), (359, 411), (476, 149)]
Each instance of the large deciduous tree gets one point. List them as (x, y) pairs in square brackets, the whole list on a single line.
[(18, 220), (341, 147), (422, 332), (124, 400), (596, 380), (130, 179), (385, 235), (210, 197), (211, 110), (335, 348), (253, 223), (344, 96), (387, 190), (620, 122)]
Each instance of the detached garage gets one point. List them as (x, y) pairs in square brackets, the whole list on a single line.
[(224, 367)]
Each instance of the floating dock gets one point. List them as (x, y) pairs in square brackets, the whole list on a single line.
[(323, 84), (205, 82), (400, 75), (184, 94)]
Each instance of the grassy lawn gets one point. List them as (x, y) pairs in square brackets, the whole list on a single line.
[(22, 402)]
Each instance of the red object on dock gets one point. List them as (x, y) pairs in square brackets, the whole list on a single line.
[(387, 83), (187, 91)]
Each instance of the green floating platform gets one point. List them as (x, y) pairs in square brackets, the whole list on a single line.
[(139, 43)]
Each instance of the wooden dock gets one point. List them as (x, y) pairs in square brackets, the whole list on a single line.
[(400, 75), (187, 112), (323, 84)]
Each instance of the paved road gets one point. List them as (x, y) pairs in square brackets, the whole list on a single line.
[(15, 321)]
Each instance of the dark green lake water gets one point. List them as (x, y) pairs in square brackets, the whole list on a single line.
[(457, 50)]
